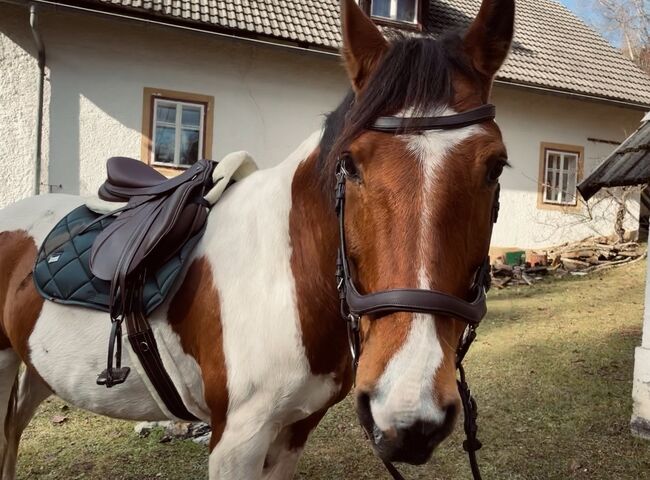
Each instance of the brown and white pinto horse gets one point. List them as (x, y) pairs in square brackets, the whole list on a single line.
[(253, 338)]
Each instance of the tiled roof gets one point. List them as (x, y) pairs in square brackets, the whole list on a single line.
[(628, 165), (555, 49), (552, 49)]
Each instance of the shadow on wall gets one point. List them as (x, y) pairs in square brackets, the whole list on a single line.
[(62, 165)]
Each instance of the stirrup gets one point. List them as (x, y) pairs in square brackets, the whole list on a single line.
[(114, 375)]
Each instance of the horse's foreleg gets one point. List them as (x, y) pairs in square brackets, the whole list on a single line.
[(285, 452), (9, 365), (242, 447), (32, 390)]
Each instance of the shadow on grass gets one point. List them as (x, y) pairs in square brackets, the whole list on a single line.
[(554, 402)]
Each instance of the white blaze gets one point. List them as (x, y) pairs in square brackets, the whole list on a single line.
[(404, 393)]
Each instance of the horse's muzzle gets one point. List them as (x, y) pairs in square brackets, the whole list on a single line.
[(414, 444)]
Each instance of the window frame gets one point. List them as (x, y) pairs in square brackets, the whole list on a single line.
[(366, 6), (546, 149), (150, 97)]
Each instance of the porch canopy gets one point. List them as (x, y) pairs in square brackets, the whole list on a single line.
[(628, 165)]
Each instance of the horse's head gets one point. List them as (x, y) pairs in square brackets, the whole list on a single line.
[(417, 212)]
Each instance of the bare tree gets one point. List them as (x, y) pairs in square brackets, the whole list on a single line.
[(626, 23)]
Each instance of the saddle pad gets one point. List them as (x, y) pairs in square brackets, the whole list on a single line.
[(62, 272)]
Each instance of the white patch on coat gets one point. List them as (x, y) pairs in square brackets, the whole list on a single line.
[(404, 393), (270, 384), (68, 349), (281, 461)]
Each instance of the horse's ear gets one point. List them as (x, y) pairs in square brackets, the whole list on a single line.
[(488, 39), (363, 43)]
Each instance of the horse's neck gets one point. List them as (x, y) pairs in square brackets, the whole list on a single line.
[(279, 222)]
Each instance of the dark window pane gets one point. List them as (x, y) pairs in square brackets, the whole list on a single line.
[(381, 8), (166, 113), (165, 144), (406, 10), (191, 116), (189, 147)]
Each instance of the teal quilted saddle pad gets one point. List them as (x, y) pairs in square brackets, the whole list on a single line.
[(62, 272)]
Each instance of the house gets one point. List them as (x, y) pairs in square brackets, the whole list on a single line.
[(629, 165), (169, 81)]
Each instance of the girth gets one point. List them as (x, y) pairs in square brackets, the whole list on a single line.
[(377, 304)]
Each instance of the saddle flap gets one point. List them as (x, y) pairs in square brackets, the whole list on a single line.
[(146, 225), (118, 242)]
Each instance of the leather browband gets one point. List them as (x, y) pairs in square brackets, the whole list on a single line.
[(410, 124)]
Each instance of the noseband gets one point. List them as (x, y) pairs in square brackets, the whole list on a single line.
[(354, 304)]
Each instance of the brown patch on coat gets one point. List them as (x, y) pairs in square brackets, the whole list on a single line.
[(313, 235), (195, 315), (20, 303), (383, 218)]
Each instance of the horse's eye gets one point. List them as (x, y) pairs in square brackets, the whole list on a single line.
[(349, 167), (495, 172)]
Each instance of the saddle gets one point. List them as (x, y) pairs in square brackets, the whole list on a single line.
[(123, 252)]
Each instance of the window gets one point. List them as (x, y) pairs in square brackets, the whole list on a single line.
[(393, 11), (396, 10), (560, 172), (178, 132), (177, 129)]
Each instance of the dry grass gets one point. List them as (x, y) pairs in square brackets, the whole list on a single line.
[(552, 372)]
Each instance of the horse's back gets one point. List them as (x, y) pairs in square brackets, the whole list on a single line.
[(35, 216)]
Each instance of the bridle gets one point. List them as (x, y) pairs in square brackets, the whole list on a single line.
[(354, 304)]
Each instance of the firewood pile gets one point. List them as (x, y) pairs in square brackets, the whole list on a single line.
[(578, 259)]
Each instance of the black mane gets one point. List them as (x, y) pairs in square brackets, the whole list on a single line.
[(415, 73)]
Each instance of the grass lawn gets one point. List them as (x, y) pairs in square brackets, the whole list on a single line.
[(551, 370)]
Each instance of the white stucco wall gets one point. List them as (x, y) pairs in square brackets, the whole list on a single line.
[(18, 105), (527, 119), (266, 101)]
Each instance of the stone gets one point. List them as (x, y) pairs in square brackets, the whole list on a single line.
[(144, 429), (203, 439), (180, 430)]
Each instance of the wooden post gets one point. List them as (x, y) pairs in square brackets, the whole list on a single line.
[(640, 423)]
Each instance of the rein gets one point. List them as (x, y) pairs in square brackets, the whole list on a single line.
[(354, 305)]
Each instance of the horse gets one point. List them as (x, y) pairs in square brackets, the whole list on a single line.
[(252, 336)]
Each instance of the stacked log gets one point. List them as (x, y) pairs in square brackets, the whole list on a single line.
[(577, 258)]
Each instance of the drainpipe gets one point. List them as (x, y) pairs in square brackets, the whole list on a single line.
[(33, 23)]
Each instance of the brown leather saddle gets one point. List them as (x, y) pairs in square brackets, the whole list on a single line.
[(160, 216)]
